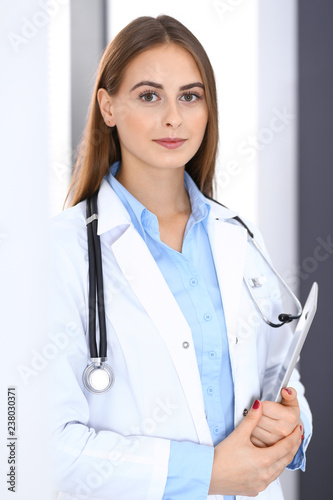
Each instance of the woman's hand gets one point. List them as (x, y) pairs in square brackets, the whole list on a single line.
[(278, 419), (241, 468)]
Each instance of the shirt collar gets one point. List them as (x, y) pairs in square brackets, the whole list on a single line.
[(116, 210), (112, 213), (199, 204), (132, 205)]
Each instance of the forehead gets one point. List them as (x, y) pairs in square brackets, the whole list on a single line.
[(167, 63)]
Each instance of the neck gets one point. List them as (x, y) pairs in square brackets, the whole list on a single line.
[(161, 191)]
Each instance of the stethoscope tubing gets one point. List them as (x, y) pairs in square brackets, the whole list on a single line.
[(96, 287), (283, 317)]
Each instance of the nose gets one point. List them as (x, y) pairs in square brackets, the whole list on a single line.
[(172, 117)]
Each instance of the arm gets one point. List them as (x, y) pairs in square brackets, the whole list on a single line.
[(88, 460), (189, 472)]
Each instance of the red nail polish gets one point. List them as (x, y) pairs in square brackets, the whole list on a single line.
[(256, 404), (300, 428), (302, 437), (288, 391)]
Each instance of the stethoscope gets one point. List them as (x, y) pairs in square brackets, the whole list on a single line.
[(98, 376)]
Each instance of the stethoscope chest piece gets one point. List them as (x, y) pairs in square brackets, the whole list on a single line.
[(98, 377)]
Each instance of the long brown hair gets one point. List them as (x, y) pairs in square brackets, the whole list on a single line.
[(100, 146)]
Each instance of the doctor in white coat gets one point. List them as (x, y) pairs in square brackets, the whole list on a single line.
[(153, 120)]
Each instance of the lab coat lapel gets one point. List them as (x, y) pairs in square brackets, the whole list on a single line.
[(149, 285), (228, 243)]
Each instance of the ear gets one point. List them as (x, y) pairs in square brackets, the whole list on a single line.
[(105, 105)]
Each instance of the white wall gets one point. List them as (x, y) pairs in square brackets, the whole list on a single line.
[(59, 99), (24, 213)]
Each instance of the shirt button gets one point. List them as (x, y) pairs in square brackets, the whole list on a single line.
[(193, 282), (207, 317), (216, 430), (212, 354), (186, 345), (210, 390)]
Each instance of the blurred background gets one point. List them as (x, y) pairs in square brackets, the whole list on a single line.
[(274, 71)]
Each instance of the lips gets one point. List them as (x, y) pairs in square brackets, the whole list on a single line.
[(170, 142)]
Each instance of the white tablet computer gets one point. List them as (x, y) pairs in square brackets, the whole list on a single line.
[(296, 345)]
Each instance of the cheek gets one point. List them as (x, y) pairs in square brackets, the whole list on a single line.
[(200, 118), (127, 123), (135, 131), (135, 119), (199, 123), (204, 118)]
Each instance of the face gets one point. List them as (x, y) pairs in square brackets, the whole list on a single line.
[(160, 109)]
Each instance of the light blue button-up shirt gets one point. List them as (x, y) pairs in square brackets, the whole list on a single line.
[(192, 279)]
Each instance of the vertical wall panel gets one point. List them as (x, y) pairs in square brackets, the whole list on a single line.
[(275, 146), (316, 230), (88, 25), (276, 136)]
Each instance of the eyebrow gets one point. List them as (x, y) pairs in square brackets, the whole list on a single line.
[(159, 86)]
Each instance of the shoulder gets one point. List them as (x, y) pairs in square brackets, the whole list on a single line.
[(68, 228), (221, 212), (70, 217)]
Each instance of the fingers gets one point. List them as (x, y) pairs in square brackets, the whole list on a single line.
[(262, 437), (258, 442), (301, 427), (277, 457), (289, 396), (277, 422), (251, 420), (282, 422), (283, 452)]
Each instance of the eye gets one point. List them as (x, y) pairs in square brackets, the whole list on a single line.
[(148, 96), (190, 97)]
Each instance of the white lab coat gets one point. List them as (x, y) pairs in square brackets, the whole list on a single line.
[(115, 446)]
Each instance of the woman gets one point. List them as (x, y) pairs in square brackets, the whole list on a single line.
[(189, 352)]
